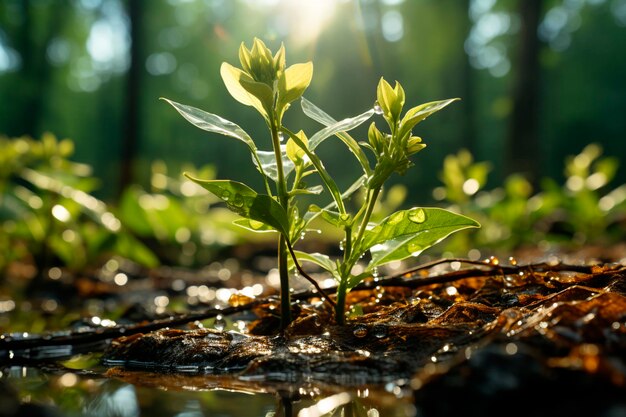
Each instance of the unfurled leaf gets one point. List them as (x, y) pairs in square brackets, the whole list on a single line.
[(408, 232), (246, 202), (421, 112), (293, 82), (317, 114), (329, 216), (216, 124), (319, 259), (314, 211), (261, 91), (233, 78), (268, 163), (254, 225), (340, 126), (315, 190), (212, 123), (319, 167)]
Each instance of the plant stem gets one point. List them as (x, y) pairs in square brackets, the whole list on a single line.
[(340, 302), (351, 256), (283, 253), (285, 291), (368, 213)]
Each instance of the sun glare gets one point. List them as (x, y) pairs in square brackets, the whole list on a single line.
[(300, 20)]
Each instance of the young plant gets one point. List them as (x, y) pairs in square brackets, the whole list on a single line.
[(265, 83), (402, 234)]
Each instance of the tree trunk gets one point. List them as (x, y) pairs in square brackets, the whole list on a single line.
[(133, 91), (523, 151), (35, 72)]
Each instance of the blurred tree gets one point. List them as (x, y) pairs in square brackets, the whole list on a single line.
[(93, 70), (134, 76), (31, 26), (522, 147)]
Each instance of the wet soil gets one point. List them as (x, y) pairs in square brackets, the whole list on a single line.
[(501, 335), (457, 336)]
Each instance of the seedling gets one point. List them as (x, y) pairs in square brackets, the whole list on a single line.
[(267, 84)]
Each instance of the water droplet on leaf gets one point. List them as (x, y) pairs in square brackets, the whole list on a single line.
[(225, 195), (415, 248), (417, 215), (377, 108), (237, 201), (395, 218), (281, 136)]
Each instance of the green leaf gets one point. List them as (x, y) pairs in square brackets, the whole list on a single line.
[(314, 190), (245, 58), (408, 232), (293, 151), (340, 126), (319, 167), (315, 211), (233, 78), (317, 114), (254, 225), (421, 112), (267, 159), (354, 280), (246, 202), (329, 216), (293, 82), (212, 123), (319, 259), (261, 91), (390, 100)]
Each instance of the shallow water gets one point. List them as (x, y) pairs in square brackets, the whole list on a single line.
[(28, 391)]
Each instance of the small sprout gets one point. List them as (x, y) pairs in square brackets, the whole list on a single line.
[(266, 83)]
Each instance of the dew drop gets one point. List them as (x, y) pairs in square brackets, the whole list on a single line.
[(281, 136), (377, 108), (225, 195), (414, 248), (512, 261), (220, 323), (375, 272), (379, 332), (417, 215), (360, 330), (395, 218), (237, 201)]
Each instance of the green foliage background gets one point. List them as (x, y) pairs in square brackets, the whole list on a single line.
[(66, 67)]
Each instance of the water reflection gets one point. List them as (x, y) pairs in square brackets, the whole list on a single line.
[(66, 392)]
